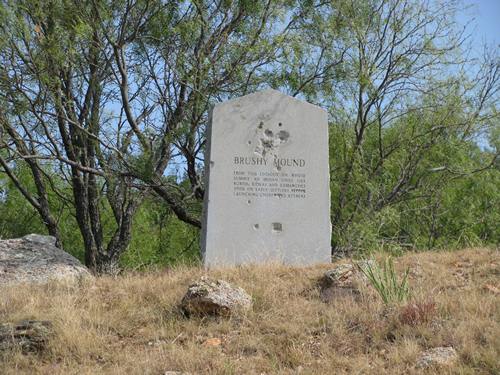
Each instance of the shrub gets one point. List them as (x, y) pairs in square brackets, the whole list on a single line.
[(417, 313)]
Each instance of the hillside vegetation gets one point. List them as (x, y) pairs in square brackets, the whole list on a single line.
[(132, 324), (105, 106)]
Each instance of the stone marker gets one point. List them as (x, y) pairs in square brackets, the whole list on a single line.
[(267, 182)]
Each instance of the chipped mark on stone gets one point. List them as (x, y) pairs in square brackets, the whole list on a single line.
[(259, 151), (283, 136), (268, 141), (277, 227), (267, 144)]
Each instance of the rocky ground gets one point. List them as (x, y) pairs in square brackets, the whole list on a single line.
[(271, 319)]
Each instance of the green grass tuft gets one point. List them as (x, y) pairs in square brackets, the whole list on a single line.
[(385, 280)]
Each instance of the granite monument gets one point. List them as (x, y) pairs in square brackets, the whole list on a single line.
[(267, 195)]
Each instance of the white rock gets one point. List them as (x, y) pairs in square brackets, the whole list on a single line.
[(440, 356), (35, 259), (215, 297)]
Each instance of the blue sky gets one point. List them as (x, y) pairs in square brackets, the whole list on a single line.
[(485, 28), (486, 23)]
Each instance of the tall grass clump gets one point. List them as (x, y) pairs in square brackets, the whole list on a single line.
[(385, 280)]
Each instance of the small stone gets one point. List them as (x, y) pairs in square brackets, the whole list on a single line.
[(339, 282), (341, 275), (440, 356), (27, 335), (215, 297)]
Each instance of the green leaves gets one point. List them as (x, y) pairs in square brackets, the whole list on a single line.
[(143, 165), (389, 285)]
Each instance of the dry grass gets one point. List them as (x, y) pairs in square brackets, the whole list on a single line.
[(131, 325)]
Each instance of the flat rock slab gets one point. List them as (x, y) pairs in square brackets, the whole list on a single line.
[(35, 259), (27, 335), (268, 187)]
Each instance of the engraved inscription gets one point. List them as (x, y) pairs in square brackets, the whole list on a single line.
[(277, 162), (263, 184)]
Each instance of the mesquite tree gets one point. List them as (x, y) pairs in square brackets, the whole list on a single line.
[(109, 95), (407, 103), (172, 67), (53, 89)]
